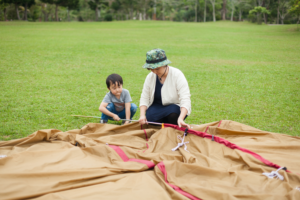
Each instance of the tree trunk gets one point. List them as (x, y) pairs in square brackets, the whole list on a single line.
[(131, 13), (56, 12), (278, 12), (96, 13), (154, 13), (204, 17), (68, 14), (4, 10), (144, 16), (232, 11), (265, 18), (240, 15), (25, 13), (196, 10), (214, 13), (163, 11), (17, 11), (259, 18), (298, 22), (224, 10)]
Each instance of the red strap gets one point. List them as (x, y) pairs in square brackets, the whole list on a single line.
[(146, 134), (162, 168), (124, 157), (226, 143)]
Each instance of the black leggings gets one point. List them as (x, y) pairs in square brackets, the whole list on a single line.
[(170, 119)]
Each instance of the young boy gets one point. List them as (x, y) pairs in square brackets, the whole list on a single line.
[(116, 103)]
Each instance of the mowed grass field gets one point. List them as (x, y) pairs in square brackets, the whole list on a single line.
[(236, 71)]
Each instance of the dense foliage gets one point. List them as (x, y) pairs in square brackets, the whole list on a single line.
[(267, 11)]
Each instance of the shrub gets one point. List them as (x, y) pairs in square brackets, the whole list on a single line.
[(287, 22), (108, 17)]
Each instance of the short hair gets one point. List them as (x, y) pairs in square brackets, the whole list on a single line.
[(112, 79)]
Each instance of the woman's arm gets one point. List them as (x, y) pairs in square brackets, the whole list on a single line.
[(143, 119), (180, 121), (183, 93), (145, 96), (127, 111), (145, 99)]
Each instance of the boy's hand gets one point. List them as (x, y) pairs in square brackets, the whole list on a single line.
[(143, 120), (116, 117)]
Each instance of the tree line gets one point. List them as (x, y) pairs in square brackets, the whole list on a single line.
[(258, 11)]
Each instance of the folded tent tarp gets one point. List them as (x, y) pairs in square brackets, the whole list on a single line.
[(225, 160)]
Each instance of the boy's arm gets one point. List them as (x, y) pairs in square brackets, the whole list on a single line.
[(127, 111), (103, 109)]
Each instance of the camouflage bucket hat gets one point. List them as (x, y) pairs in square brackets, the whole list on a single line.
[(156, 58)]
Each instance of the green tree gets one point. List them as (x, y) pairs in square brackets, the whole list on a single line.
[(259, 10), (3, 6), (65, 3), (17, 3), (282, 9), (295, 9), (97, 5), (27, 3)]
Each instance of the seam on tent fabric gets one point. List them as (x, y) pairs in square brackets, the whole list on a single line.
[(162, 168), (220, 123), (124, 157), (147, 148), (206, 129), (226, 143)]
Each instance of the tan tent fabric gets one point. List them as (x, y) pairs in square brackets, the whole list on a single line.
[(104, 161)]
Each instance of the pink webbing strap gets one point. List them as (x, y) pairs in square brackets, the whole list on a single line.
[(145, 134), (162, 168), (226, 143), (124, 157)]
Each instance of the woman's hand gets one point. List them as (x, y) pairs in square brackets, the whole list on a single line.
[(143, 120), (126, 122), (116, 117), (181, 123)]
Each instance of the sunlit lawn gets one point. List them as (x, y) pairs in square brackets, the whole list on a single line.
[(236, 71)]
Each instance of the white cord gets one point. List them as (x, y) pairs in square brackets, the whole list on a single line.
[(298, 188), (181, 143), (274, 174), (3, 156)]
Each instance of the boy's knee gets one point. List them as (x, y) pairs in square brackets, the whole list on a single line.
[(133, 108), (110, 107)]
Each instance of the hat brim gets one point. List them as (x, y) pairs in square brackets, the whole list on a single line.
[(156, 65)]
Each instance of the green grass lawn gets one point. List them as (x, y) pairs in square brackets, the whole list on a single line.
[(236, 71)]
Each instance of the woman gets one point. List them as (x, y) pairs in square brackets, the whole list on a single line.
[(166, 95)]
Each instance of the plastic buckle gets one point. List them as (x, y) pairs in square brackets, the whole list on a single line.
[(186, 132)]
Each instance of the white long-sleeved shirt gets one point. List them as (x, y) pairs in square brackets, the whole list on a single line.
[(175, 90)]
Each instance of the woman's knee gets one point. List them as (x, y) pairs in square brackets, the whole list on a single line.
[(173, 118)]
